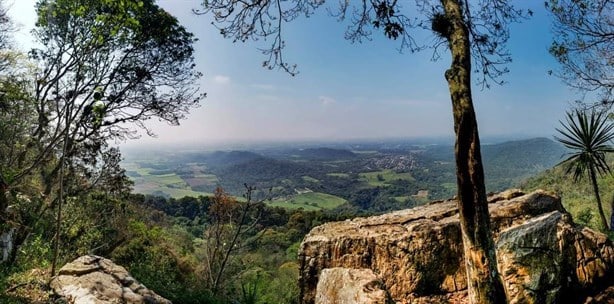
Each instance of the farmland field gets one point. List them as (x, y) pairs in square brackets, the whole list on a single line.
[(170, 184), (384, 178), (309, 201)]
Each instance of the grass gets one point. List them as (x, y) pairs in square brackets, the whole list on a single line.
[(401, 199), (384, 178), (309, 201), (340, 175)]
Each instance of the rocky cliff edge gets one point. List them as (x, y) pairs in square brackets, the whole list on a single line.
[(416, 255)]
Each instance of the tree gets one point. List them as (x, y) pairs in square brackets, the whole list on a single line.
[(589, 137), (230, 225), (17, 116), (470, 30), (111, 65), (583, 43), (6, 28), (104, 68)]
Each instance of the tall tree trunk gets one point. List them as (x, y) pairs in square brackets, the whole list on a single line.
[(604, 222), (483, 280)]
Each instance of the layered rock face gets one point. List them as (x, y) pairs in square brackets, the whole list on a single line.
[(95, 280), (416, 255)]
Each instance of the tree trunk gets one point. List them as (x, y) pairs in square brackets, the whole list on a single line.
[(604, 222), (484, 283)]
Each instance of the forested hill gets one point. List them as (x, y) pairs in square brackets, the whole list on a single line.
[(577, 196), (508, 163), (534, 152), (540, 153)]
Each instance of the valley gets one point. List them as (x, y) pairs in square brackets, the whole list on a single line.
[(366, 176)]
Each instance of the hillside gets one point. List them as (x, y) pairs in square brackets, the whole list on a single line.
[(508, 163), (577, 197), (505, 164)]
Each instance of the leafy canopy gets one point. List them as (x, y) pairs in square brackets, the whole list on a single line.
[(583, 44), (130, 56)]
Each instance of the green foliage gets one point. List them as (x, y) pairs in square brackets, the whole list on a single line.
[(35, 253), (249, 291), (585, 216), (577, 198), (588, 136), (161, 259)]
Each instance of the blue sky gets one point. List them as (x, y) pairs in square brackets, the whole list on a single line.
[(349, 91)]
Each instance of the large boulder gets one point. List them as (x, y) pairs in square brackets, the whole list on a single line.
[(95, 280), (417, 254)]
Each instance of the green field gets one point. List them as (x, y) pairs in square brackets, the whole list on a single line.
[(401, 199), (310, 179), (309, 201), (384, 178), (340, 175), (170, 184), (201, 179)]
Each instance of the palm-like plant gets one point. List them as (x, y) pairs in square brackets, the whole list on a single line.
[(588, 135)]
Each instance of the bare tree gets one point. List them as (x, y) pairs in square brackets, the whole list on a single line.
[(471, 30), (231, 223)]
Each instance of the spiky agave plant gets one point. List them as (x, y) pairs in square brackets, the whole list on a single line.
[(588, 134)]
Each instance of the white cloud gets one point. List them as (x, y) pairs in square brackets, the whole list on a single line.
[(326, 100), (221, 79)]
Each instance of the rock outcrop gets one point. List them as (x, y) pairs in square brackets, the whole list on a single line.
[(416, 255), (350, 286), (96, 280)]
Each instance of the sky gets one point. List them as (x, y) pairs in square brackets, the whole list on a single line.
[(347, 91)]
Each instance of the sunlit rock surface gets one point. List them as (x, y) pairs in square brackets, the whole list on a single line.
[(95, 280), (416, 255)]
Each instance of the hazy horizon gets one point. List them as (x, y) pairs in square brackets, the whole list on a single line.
[(345, 91), (254, 145)]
